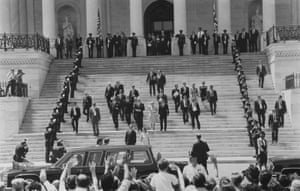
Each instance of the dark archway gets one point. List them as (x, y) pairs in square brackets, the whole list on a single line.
[(158, 16)]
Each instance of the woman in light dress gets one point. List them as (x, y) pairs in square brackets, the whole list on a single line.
[(152, 115), (194, 92), (144, 137)]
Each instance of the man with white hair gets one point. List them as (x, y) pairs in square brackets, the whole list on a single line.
[(11, 77), (138, 113), (295, 186)]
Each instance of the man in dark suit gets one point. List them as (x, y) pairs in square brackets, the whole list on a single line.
[(181, 42), (261, 72), (161, 81), (49, 142), (216, 40), (69, 47), (212, 97), (176, 97), (163, 111), (185, 91), (194, 41), (122, 103), (195, 112), (90, 44), (184, 105), (280, 108), (75, 116), (203, 92), (59, 44), (117, 44), (161, 97), (95, 118), (151, 79), (133, 94), (200, 150), (225, 40), (73, 82), (99, 46), (260, 107), (253, 36), (130, 136), (274, 125), (109, 45), (115, 110), (118, 88), (138, 112), (109, 93), (206, 39), (243, 40), (128, 110), (200, 40), (86, 104), (134, 44)]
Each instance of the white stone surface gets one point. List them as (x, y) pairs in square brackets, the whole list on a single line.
[(49, 23), (11, 115), (136, 18), (140, 49), (180, 16), (293, 105), (34, 64), (284, 60)]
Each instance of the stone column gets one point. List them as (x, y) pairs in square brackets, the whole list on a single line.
[(136, 17), (23, 16), (180, 16), (92, 7), (224, 15), (30, 17), (137, 26), (48, 7), (224, 20), (4, 16), (269, 19), (14, 16), (180, 24)]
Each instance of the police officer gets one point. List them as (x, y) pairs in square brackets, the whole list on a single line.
[(90, 44)]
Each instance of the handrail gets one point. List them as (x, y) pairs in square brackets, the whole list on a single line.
[(24, 41), (283, 33), (292, 81)]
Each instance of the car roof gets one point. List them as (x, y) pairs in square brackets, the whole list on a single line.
[(110, 147)]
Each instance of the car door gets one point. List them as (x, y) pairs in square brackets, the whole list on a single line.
[(79, 162), (97, 157)]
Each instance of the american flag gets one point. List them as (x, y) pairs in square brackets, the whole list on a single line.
[(99, 30), (215, 16)]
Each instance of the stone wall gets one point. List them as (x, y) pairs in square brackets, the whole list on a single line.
[(284, 59), (11, 115), (34, 64)]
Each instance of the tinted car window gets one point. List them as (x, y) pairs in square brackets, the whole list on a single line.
[(136, 157), (96, 157), (140, 157), (76, 158)]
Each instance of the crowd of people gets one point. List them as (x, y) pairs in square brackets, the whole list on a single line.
[(158, 43), (256, 128), (14, 85), (194, 176)]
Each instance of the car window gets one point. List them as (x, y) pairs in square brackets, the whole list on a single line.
[(77, 159), (136, 157), (96, 157), (140, 157)]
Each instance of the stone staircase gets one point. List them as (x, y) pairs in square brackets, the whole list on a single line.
[(225, 133)]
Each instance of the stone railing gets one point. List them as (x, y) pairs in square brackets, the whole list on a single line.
[(24, 41), (292, 81), (283, 33)]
